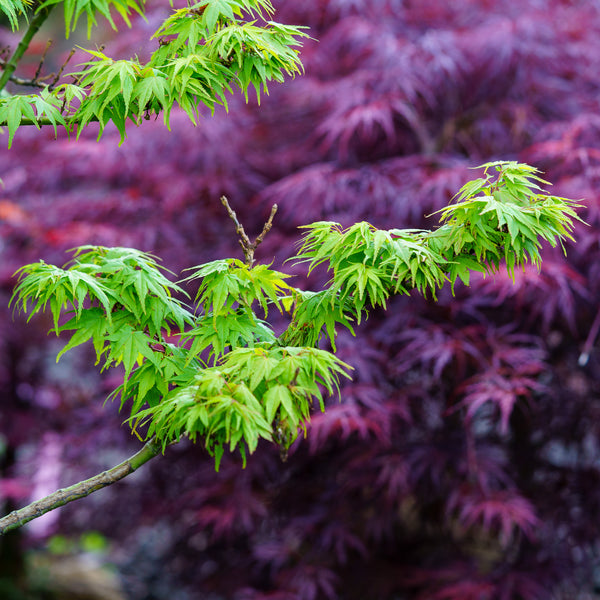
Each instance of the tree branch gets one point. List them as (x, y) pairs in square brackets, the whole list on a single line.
[(33, 28), (36, 509), (37, 83)]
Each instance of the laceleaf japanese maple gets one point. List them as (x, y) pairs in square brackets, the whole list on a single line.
[(336, 518)]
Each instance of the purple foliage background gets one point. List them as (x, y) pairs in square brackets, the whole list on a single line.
[(463, 460)]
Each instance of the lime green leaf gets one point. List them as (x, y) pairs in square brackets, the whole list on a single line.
[(12, 111), (279, 396), (91, 324)]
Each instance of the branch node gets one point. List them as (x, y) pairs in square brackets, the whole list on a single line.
[(248, 247)]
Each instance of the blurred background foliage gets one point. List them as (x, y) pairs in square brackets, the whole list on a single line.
[(463, 462)]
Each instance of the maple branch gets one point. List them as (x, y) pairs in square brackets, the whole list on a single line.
[(28, 82), (36, 509), (37, 122), (33, 28), (248, 247), (46, 121)]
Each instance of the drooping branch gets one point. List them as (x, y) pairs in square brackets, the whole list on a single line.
[(34, 25), (36, 509), (248, 247)]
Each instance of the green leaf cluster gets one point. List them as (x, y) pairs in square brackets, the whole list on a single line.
[(35, 108), (230, 282), (502, 217), (74, 9), (243, 396), (205, 50), (369, 263), (118, 298), (226, 297), (216, 334)]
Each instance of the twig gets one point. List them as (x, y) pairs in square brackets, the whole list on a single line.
[(34, 25), (36, 509), (38, 83), (248, 247), (42, 59)]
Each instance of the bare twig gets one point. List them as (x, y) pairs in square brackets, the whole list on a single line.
[(42, 59), (34, 25), (59, 498), (248, 247)]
